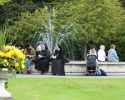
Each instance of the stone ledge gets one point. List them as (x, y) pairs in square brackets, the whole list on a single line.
[(100, 63), (79, 67)]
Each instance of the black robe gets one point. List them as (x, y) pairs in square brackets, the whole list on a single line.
[(42, 61), (58, 63)]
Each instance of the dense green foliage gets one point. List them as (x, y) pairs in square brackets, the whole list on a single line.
[(82, 23), (97, 22), (2, 2)]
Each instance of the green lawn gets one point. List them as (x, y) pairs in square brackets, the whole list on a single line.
[(67, 88)]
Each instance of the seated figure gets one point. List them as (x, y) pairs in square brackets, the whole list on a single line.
[(112, 54), (101, 53)]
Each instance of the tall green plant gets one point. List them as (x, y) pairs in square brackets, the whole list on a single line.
[(2, 38)]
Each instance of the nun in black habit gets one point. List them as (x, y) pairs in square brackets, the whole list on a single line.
[(42, 58), (58, 62)]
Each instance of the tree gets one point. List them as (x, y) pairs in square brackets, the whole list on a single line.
[(78, 23), (2, 2), (95, 21), (27, 26)]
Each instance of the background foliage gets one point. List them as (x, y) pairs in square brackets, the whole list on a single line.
[(79, 23)]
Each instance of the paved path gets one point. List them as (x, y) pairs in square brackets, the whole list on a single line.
[(50, 76)]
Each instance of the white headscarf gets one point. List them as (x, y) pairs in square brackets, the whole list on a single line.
[(40, 47)]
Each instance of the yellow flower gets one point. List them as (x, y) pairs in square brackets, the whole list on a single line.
[(18, 53), (2, 54), (8, 54), (7, 48), (12, 57)]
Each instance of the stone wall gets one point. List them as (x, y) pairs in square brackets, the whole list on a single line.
[(79, 68)]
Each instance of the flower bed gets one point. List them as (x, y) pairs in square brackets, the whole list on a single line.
[(12, 58)]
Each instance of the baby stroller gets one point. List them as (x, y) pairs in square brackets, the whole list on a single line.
[(91, 65)]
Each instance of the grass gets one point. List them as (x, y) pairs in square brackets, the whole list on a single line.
[(67, 88)]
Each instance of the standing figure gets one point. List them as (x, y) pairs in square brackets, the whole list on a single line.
[(101, 53), (42, 58), (112, 54), (30, 52), (58, 61)]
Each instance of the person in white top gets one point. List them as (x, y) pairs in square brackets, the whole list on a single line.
[(101, 53)]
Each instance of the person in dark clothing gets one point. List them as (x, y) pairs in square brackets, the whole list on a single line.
[(42, 58), (58, 62)]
